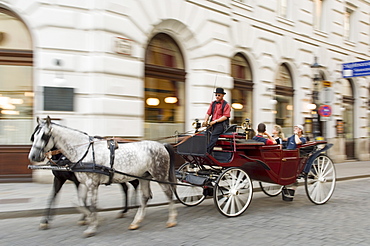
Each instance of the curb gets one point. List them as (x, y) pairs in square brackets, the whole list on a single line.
[(74, 210)]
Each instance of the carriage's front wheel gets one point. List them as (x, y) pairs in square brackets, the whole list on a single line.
[(186, 193), (320, 180), (271, 189), (233, 192)]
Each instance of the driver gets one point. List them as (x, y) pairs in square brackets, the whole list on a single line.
[(219, 112)]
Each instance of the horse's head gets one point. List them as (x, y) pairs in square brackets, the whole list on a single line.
[(42, 140)]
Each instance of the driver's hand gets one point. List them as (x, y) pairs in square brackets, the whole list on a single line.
[(204, 124)]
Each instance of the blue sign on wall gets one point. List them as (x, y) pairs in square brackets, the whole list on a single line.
[(356, 69)]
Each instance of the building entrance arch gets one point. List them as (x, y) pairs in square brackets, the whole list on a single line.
[(16, 97)]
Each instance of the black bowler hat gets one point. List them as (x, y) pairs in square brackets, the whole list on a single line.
[(220, 91)]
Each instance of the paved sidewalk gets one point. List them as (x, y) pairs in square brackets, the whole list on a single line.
[(30, 199)]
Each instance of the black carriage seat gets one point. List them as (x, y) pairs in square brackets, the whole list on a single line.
[(231, 129)]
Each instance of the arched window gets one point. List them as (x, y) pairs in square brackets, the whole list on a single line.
[(241, 95), (16, 86), (284, 97), (164, 88)]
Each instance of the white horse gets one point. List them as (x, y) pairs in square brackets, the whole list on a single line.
[(146, 159)]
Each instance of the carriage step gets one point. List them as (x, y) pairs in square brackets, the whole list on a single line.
[(288, 194), (196, 180)]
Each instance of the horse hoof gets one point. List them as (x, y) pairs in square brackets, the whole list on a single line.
[(171, 224), (44, 226), (82, 222), (120, 215), (89, 233), (133, 227)]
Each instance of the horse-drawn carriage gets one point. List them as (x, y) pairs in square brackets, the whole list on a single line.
[(226, 174), (235, 162)]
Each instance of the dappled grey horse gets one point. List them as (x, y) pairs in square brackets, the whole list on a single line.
[(60, 177), (148, 159)]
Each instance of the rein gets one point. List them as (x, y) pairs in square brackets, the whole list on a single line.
[(123, 140)]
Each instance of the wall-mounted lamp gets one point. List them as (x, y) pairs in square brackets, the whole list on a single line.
[(237, 106), (152, 101), (170, 100), (311, 106)]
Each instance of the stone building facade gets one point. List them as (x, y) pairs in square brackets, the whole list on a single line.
[(145, 69)]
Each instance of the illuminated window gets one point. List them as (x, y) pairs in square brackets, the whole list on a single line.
[(241, 95), (164, 88), (284, 97), (16, 87)]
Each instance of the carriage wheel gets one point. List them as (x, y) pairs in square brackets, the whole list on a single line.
[(320, 180), (271, 189), (188, 195), (233, 192)]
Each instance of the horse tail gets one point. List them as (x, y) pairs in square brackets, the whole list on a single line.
[(171, 151)]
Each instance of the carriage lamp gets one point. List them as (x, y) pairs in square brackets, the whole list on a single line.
[(196, 124), (246, 124), (315, 120)]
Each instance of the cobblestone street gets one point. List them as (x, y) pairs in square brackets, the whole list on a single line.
[(268, 221)]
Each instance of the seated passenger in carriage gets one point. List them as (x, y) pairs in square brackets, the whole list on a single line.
[(261, 129), (278, 135), (297, 138)]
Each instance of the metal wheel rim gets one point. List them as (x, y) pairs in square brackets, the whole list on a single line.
[(189, 195), (271, 189), (320, 181), (233, 192)]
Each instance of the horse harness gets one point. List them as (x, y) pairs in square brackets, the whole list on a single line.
[(80, 166)]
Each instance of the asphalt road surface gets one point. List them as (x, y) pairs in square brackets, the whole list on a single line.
[(344, 220)]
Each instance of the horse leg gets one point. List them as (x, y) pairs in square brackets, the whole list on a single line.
[(135, 184), (93, 216), (172, 212), (145, 196), (82, 196), (72, 177), (57, 185), (125, 192)]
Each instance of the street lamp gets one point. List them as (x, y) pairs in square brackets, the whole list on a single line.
[(315, 94)]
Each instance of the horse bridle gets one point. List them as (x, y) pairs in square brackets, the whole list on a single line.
[(45, 137)]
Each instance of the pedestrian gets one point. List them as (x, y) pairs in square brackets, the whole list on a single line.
[(218, 113), (261, 131)]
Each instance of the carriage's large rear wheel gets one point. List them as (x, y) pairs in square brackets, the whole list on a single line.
[(186, 193), (233, 192), (320, 180), (271, 189)]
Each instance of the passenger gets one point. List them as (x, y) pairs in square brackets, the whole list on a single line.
[(219, 111), (297, 138), (277, 134), (292, 142), (261, 130)]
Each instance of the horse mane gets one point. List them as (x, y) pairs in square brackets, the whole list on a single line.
[(70, 128)]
